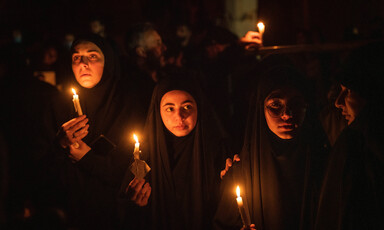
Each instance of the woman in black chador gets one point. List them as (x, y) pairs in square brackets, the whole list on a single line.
[(186, 148), (352, 195), (88, 162), (281, 160)]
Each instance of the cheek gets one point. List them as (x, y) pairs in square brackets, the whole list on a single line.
[(271, 122), (166, 119), (300, 118), (99, 72), (352, 108), (158, 51), (193, 120), (75, 70)]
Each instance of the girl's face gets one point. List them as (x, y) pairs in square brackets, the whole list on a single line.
[(88, 64), (284, 111), (350, 103), (178, 111)]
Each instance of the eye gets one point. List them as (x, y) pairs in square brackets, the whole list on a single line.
[(187, 107), (169, 109), (76, 58), (92, 57), (275, 104)]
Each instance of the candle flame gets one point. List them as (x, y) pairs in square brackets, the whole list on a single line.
[(74, 91), (135, 137), (238, 191), (261, 26)]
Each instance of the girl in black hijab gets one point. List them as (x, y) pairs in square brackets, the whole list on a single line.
[(281, 159), (352, 194), (89, 160), (186, 153)]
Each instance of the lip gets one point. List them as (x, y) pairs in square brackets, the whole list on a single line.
[(180, 127), (346, 115), (85, 75), (287, 126)]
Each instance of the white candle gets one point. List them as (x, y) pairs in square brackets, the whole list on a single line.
[(261, 28), (240, 204), (76, 103), (136, 151)]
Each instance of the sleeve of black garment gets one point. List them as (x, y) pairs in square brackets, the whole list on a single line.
[(108, 168)]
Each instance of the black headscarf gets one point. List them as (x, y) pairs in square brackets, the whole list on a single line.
[(363, 71), (352, 194), (185, 170), (277, 177), (88, 187), (100, 103)]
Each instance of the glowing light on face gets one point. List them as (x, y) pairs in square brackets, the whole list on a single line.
[(284, 111), (350, 103), (178, 111), (88, 64)]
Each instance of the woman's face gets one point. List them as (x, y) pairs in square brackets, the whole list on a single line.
[(350, 103), (88, 64), (284, 111), (178, 111)]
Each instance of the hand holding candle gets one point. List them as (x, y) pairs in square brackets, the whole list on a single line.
[(240, 204), (76, 103), (139, 167)]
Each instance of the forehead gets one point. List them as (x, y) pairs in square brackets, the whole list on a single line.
[(87, 47), (176, 97), (151, 36), (284, 93)]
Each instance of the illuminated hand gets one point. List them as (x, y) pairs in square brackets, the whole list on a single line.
[(73, 131), (252, 37), (250, 227), (79, 150), (139, 191), (228, 164), (252, 40)]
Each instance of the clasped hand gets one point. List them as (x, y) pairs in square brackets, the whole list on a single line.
[(138, 191), (71, 134)]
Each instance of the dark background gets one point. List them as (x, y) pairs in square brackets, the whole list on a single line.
[(330, 20)]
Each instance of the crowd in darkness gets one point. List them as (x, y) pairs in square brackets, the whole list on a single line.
[(299, 132)]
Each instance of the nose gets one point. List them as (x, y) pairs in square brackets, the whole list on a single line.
[(181, 115), (163, 47), (287, 114), (84, 60), (339, 102)]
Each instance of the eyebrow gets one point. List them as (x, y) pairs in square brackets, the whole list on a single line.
[(88, 51), (184, 102)]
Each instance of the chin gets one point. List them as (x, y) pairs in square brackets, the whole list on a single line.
[(87, 85), (287, 135), (181, 133)]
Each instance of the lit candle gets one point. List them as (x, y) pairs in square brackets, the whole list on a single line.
[(76, 103), (261, 28), (136, 151), (240, 204)]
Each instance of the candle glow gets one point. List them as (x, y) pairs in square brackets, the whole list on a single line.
[(136, 151), (76, 103), (240, 205), (135, 137), (261, 28)]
